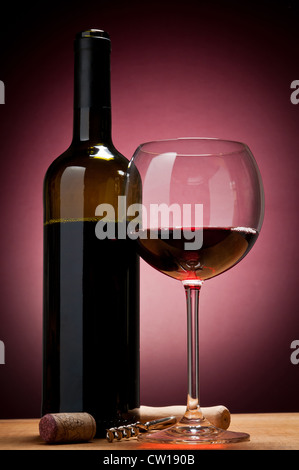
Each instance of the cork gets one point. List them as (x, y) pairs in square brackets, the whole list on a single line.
[(67, 427)]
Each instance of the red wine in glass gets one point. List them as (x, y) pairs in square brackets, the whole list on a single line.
[(221, 248)]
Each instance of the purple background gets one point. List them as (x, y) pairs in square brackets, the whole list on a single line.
[(192, 68)]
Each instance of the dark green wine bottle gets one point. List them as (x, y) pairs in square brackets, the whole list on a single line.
[(91, 286)]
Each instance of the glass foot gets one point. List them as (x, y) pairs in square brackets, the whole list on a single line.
[(194, 434)]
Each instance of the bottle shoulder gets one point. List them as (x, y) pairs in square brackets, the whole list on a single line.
[(100, 159), (80, 179)]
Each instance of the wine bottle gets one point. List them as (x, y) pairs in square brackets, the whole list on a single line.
[(91, 285)]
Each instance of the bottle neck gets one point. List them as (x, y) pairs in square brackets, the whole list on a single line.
[(92, 102), (92, 125)]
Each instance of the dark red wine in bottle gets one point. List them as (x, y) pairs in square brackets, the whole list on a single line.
[(91, 285)]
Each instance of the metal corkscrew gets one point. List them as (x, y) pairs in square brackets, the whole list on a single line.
[(132, 430)]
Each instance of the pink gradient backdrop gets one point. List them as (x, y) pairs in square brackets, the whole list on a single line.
[(178, 69)]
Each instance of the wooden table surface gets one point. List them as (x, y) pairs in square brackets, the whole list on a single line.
[(279, 431)]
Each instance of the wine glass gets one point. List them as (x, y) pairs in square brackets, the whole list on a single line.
[(195, 208)]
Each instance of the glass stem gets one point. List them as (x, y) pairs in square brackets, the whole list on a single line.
[(193, 411)]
